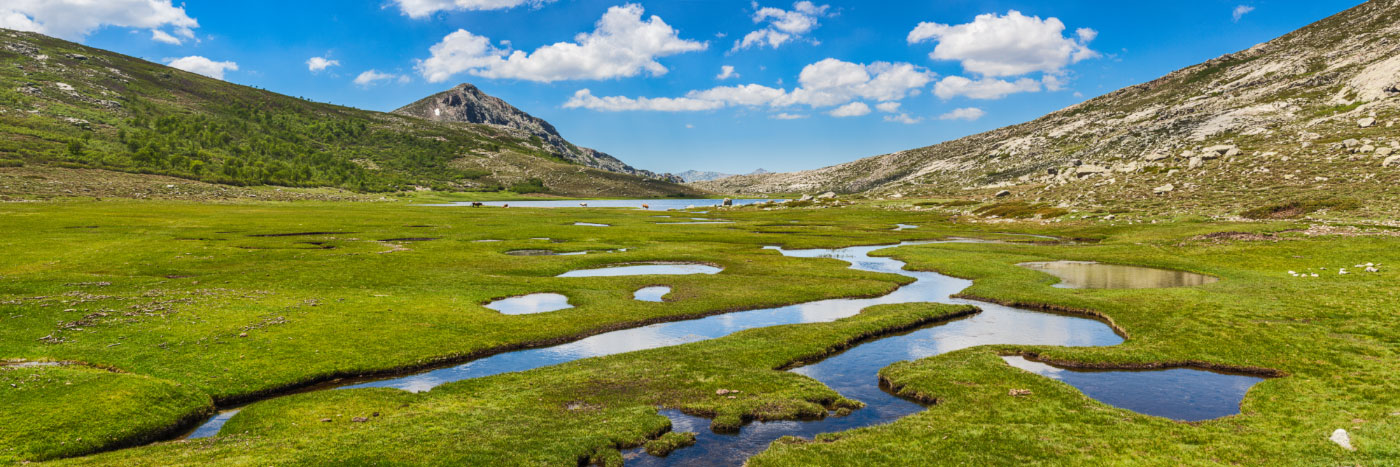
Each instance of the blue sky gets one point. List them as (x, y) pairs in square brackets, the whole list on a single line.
[(814, 84)]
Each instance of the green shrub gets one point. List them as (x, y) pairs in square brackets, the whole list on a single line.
[(1296, 209), (11, 163), (1020, 210), (533, 185)]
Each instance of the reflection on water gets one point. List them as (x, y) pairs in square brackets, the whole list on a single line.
[(591, 224), (528, 304), (651, 294), (1091, 275), (905, 227), (645, 270), (1180, 394)]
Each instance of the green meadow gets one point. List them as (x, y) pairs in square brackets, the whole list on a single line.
[(152, 315)]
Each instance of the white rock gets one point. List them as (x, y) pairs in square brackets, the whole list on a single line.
[(1164, 189), (1366, 122), (1154, 157), (827, 195), (1389, 161), (1384, 152), (1089, 169), (1196, 163), (1342, 439)]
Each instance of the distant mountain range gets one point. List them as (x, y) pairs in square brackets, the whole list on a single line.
[(698, 176), (1308, 116), (65, 105)]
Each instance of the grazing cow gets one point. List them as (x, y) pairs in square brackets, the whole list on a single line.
[(505, 205), (646, 206), (583, 204), (477, 204)]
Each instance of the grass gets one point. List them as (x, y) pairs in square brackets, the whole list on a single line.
[(1021, 210), (1296, 209), (203, 313)]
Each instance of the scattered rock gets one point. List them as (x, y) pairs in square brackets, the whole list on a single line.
[(1163, 189), (1154, 157), (1003, 193), (1196, 163), (1366, 122), (1384, 151), (326, 420), (360, 419), (1089, 169), (1019, 392), (827, 195), (805, 198), (1342, 439), (1389, 161)]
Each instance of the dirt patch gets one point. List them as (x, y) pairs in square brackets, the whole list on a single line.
[(410, 239)]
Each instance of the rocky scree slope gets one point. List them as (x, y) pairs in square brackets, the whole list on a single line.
[(1310, 115), (467, 104), (67, 106)]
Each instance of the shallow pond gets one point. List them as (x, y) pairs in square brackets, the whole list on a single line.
[(651, 294), (530, 304), (1185, 394), (679, 269), (1091, 275), (904, 227), (591, 224), (852, 373), (652, 204)]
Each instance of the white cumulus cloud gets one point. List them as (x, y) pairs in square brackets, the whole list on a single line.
[(1007, 45), (787, 116), (162, 36), (200, 65), (1240, 11), (75, 19), (372, 77), (585, 99), (622, 45), (419, 9), (985, 88), (965, 113), (854, 109), (726, 72), (316, 64), (903, 118), (827, 83), (782, 26), (887, 107)]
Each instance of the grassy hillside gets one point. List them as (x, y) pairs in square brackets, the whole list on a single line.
[(1308, 117), (66, 105)]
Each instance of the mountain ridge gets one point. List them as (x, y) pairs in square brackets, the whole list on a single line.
[(1289, 111), (466, 103), (70, 106)]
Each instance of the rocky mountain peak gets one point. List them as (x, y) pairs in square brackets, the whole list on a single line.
[(465, 103)]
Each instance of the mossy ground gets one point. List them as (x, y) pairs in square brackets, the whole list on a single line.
[(193, 308)]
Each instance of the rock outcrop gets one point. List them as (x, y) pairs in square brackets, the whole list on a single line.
[(467, 104)]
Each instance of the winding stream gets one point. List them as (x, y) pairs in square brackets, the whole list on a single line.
[(852, 373)]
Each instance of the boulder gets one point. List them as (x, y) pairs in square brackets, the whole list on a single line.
[(1220, 150), (1384, 152), (805, 198), (1342, 439), (1366, 122), (1156, 156), (1163, 189), (1089, 169), (1366, 148), (1391, 161), (1351, 143), (827, 195), (1196, 163), (1003, 193)]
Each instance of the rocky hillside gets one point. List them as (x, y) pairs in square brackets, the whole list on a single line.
[(67, 106), (1308, 116), (691, 176), (467, 104)]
